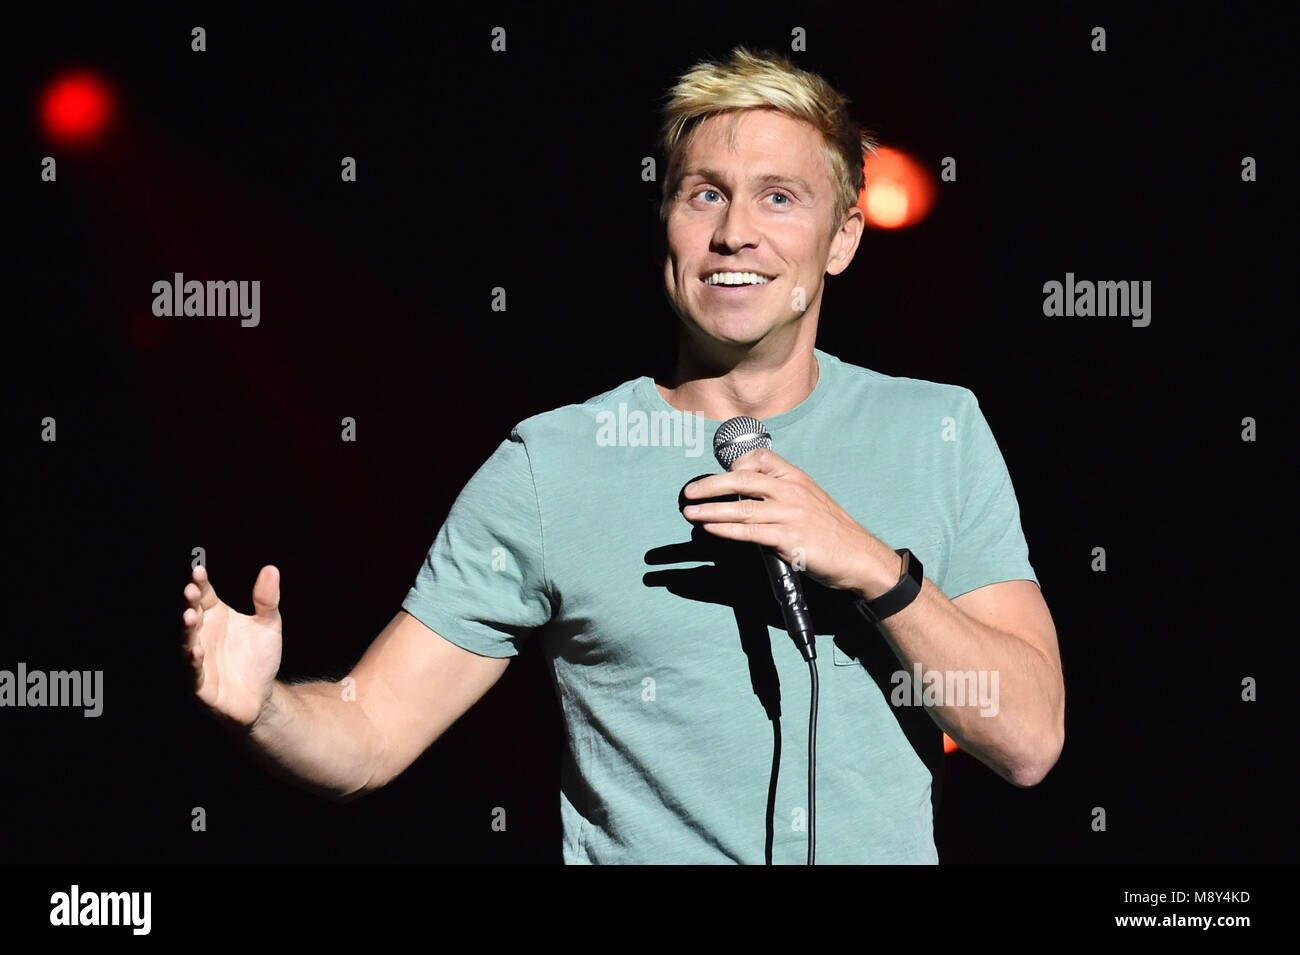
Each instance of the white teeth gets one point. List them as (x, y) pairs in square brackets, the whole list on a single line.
[(736, 278)]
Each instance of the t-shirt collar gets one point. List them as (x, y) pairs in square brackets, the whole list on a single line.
[(654, 401)]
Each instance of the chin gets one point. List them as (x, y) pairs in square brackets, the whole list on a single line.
[(735, 328), (740, 334)]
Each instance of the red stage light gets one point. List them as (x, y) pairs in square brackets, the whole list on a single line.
[(898, 191), (949, 744), (77, 107)]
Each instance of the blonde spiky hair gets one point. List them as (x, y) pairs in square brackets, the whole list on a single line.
[(764, 80)]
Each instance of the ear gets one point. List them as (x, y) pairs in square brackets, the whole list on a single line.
[(844, 244)]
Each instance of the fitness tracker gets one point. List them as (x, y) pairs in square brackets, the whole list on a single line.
[(900, 595)]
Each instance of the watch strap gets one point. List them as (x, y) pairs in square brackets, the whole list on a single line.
[(900, 595)]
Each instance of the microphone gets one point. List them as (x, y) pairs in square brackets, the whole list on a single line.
[(739, 436)]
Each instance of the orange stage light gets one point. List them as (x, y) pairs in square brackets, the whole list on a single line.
[(898, 191)]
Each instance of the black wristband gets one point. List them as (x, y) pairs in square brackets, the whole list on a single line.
[(900, 595)]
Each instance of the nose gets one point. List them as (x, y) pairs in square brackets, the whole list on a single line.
[(736, 230)]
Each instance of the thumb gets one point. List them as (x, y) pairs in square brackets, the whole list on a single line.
[(266, 593)]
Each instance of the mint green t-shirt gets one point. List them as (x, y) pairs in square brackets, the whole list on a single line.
[(673, 673)]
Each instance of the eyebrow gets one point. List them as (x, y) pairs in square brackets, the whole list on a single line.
[(764, 179)]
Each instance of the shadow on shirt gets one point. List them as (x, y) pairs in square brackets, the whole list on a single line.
[(732, 574)]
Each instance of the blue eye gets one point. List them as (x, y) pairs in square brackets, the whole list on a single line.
[(713, 191), (780, 195)]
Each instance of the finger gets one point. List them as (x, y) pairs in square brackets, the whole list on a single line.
[(193, 646), (766, 461), (192, 618), (206, 597), (748, 482), (266, 593), (195, 657), (741, 512), (765, 535)]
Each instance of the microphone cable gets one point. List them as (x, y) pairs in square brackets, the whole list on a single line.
[(812, 763)]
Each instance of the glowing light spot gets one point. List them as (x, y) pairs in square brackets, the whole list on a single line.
[(77, 108), (887, 203), (898, 190)]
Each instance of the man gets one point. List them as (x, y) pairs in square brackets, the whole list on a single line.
[(643, 585)]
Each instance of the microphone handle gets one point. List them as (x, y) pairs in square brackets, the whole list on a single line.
[(789, 595)]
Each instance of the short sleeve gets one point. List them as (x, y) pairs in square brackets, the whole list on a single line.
[(989, 545), (483, 584)]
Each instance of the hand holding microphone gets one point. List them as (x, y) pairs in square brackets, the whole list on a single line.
[(788, 515), (733, 439)]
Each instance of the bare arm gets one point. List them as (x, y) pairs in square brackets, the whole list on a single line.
[(1005, 631), (338, 739)]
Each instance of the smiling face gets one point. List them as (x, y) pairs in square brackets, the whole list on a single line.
[(749, 237)]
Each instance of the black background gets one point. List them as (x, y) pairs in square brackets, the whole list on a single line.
[(522, 170)]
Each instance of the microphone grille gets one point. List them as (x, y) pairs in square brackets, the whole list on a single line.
[(738, 436)]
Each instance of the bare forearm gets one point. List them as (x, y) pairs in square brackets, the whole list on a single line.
[(1013, 722), (312, 735)]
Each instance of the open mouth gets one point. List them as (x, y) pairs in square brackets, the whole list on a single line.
[(736, 280)]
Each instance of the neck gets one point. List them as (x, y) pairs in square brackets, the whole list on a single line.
[(758, 385)]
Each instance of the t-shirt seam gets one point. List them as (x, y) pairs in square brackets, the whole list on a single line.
[(962, 465), (853, 369), (541, 524)]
